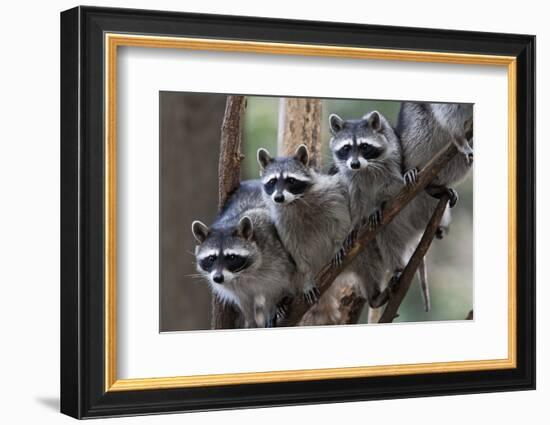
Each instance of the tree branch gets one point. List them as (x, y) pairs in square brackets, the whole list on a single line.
[(229, 178), (398, 293), (330, 271)]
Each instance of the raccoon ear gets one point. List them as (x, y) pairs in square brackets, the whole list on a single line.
[(302, 154), (263, 158), (245, 228), (335, 123), (374, 120), (200, 230)]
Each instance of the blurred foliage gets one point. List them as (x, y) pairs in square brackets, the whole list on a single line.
[(449, 261)]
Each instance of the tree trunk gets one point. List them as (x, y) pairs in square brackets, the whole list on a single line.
[(300, 123), (186, 133), (229, 175)]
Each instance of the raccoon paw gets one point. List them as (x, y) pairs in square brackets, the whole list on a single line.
[(282, 309), (339, 257), (281, 313), (311, 295), (410, 176), (453, 197), (441, 232), (375, 218), (394, 282), (439, 191)]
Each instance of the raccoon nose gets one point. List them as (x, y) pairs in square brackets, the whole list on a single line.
[(279, 198), (355, 165), (218, 278)]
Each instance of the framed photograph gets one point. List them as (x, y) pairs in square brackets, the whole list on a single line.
[(260, 212)]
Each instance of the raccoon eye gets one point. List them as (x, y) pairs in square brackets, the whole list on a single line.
[(291, 180), (207, 262), (272, 181), (345, 148), (231, 256)]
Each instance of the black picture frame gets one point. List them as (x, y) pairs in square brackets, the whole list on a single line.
[(83, 392)]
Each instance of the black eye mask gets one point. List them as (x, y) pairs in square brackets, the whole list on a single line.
[(370, 152), (295, 186), (235, 263)]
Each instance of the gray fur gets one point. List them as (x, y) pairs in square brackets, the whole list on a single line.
[(245, 225), (377, 181), (313, 224), (425, 128)]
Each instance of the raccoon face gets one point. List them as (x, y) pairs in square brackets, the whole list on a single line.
[(225, 253), (356, 144), (285, 179)]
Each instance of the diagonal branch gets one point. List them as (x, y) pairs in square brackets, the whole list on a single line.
[(404, 282), (330, 271)]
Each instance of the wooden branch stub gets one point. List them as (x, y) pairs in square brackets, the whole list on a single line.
[(229, 166), (342, 305), (405, 280), (300, 123), (229, 178), (330, 271)]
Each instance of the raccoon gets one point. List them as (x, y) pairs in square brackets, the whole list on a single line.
[(243, 260), (367, 154), (424, 129), (310, 211)]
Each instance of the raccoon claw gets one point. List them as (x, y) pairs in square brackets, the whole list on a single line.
[(350, 240), (394, 282), (339, 257), (453, 197), (440, 232), (375, 218), (281, 313), (410, 176), (311, 295), (282, 309)]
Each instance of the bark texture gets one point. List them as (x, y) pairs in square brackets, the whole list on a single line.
[(229, 176), (300, 123)]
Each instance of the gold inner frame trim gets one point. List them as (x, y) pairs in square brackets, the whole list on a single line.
[(113, 41)]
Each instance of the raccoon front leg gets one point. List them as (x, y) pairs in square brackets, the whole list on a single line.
[(378, 298), (444, 227)]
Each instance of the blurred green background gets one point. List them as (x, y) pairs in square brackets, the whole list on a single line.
[(449, 261)]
